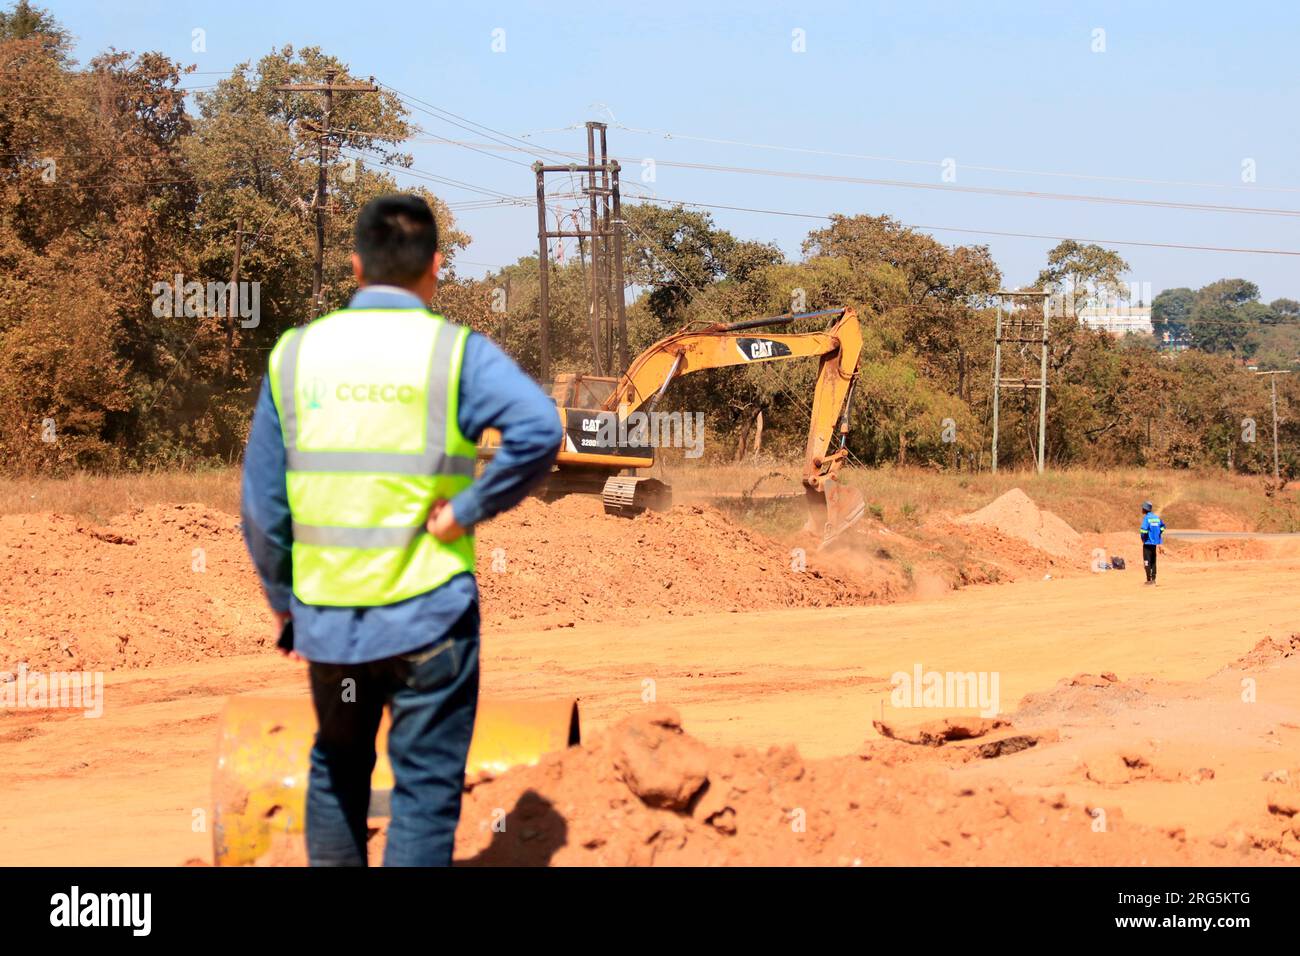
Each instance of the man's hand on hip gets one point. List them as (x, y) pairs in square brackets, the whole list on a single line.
[(442, 522), (282, 619)]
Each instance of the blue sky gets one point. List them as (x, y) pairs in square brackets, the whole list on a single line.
[(1183, 93)]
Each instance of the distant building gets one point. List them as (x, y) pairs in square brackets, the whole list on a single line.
[(1116, 316)]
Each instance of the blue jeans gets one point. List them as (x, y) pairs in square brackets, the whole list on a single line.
[(432, 694)]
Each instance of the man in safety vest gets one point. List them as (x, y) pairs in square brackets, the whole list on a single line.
[(359, 503)]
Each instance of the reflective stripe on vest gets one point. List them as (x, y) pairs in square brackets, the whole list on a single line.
[(366, 457), (433, 460)]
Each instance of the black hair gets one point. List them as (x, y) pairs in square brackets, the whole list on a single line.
[(396, 237)]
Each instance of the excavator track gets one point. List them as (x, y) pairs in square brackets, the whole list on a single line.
[(630, 496)]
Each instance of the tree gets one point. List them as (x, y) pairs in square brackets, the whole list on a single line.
[(1223, 315), (1171, 313), (25, 21), (934, 298), (934, 272), (93, 194), (678, 253), (1285, 310), (1079, 271), (109, 187)]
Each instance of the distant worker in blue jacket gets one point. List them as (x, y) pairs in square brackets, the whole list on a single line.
[(1152, 531), (360, 504)]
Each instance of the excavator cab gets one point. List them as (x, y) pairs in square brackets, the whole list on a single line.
[(575, 390), (600, 450)]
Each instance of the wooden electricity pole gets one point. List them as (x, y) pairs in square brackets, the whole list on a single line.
[(1277, 471), (606, 307), (1022, 331), (320, 199), (543, 278), (233, 296)]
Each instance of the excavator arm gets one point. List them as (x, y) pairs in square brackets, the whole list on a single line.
[(720, 345), (591, 461), (832, 506)]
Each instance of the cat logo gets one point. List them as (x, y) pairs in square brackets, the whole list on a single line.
[(756, 350)]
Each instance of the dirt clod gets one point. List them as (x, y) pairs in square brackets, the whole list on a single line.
[(659, 764)]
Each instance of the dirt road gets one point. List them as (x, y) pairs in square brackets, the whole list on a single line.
[(131, 786)]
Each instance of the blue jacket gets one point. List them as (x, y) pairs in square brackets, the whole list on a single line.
[(494, 393), (1152, 528)]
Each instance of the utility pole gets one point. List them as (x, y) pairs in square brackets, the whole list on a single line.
[(617, 229), (997, 378), (543, 277), (233, 296), (1277, 471), (1042, 389), (605, 287), (597, 250), (321, 198), (1023, 331)]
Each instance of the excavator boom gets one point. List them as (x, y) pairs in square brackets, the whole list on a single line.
[(590, 459)]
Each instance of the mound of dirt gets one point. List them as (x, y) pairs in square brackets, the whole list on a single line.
[(171, 584), (163, 585), (990, 546), (1014, 514), (1267, 652), (1226, 549), (1081, 701), (568, 561), (647, 793)]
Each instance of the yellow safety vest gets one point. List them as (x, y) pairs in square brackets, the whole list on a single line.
[(367, 400)]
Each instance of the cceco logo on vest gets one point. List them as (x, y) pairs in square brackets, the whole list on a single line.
[(317, 390)]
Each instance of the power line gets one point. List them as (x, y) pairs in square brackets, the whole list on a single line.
[(459, 121), (520, 201), (946, 187), (443, 139), (666, 134), (992, 232), (427, 176)]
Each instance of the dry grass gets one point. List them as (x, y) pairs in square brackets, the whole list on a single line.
[(1088, 500), (99, 497)]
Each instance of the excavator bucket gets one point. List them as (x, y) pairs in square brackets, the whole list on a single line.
[(259, 784), (833, 509)]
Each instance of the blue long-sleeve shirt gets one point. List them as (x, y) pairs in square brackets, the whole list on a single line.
[(1152, 529), (494, 393)]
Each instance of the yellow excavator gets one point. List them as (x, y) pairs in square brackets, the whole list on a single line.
[(260, 777), (607, 435)]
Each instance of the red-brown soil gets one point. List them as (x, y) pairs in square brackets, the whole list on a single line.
[(1136, 725)]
